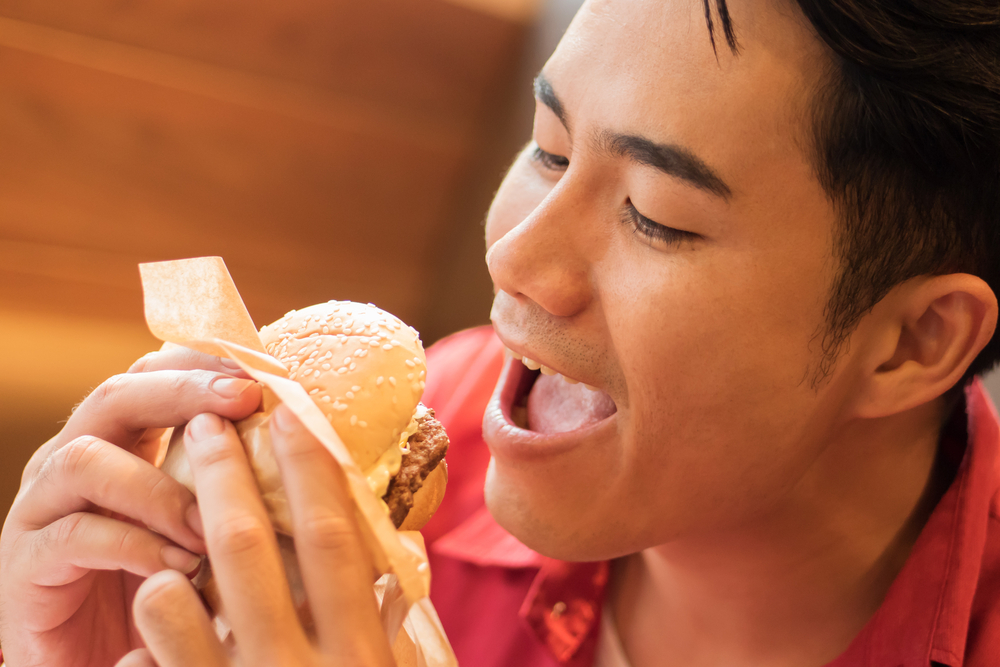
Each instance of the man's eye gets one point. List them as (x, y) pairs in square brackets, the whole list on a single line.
[(549, 160), (654, 231)]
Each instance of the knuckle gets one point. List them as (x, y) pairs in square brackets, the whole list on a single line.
[(241, 534), (72, 459), (58, 536), (80, 455), (143, 363), (110, 390), (213, 452), (328, 531), (165, 489), (178, 383)]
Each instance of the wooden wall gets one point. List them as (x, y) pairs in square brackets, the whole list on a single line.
[(325, 148)]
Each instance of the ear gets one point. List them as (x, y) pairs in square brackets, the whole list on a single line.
[(925, 334)]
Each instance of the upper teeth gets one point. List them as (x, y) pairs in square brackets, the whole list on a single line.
[(535, 366)]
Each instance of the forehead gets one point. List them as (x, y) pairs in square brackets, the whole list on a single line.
[(648, 67)]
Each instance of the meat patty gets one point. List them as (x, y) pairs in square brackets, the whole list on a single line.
[(427, 449)]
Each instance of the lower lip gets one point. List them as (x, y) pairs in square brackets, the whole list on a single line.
[(507, 440)]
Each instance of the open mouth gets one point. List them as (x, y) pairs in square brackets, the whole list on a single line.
[(538, 399)]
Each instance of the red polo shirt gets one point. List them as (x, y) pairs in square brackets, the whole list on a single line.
[(503, 604)]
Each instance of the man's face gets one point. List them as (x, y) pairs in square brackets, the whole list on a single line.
[(666, 241)]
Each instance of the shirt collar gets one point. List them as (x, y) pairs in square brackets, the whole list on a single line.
[(926, 614)]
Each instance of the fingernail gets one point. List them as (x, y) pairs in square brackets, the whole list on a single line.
[(281, 419), (178, 559), (230, 363), (193, 518), (230, 387), (205, 426)]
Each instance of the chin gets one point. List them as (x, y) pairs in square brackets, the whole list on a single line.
[(558, 493)]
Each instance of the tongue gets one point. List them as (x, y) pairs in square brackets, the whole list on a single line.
[(556, 406)]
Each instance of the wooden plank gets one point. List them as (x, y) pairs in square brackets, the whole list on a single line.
[(97, 161), (233, 86), (431, 58)]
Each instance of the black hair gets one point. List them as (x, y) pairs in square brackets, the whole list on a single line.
[(906, 133)]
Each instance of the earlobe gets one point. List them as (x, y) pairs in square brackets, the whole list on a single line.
[(931, 329)]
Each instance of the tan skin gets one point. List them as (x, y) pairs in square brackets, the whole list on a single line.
[(765, 516)]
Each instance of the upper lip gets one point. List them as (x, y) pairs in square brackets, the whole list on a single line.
[(519, 351)]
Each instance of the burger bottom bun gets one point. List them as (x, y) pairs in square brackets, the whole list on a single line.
[(427, 498)]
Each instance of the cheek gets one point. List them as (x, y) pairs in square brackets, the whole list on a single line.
[(520, 193), (707, 356)]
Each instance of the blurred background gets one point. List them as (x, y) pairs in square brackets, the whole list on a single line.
[(325, 148)]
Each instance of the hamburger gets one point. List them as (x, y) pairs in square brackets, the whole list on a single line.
[(365, 370)]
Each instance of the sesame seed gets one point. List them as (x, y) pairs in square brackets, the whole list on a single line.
[(422, 384), (350, 394), (325, 399), (387, 347), (316, 374), (363, 424), (325, 367), (423, 374), (373, 343), (355, 388), (340, 406), (410, 363), (342, 370), (314, 391), (378, 382), (395, 343), (326, 329), (353, 366), (347, 360), (409, 376), (354, 420), (392, 381), (363, 353)]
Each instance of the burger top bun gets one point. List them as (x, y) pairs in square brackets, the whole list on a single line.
[(363, 367)]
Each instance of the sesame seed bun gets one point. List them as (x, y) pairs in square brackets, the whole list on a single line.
[(363, 367)]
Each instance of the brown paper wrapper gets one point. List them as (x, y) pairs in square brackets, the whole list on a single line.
[(194, 302)]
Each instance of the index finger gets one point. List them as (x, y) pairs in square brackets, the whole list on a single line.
[(242, 547), (178, 358), (335, 563)]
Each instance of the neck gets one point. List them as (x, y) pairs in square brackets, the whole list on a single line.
[(795, 586)]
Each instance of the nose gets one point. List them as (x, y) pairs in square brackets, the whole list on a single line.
[(544, 257)]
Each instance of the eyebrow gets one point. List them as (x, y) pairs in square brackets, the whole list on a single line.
[(670, 159)]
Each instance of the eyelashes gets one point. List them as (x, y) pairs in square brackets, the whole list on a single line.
[(651, 230), (654, 231), (549, 160)]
